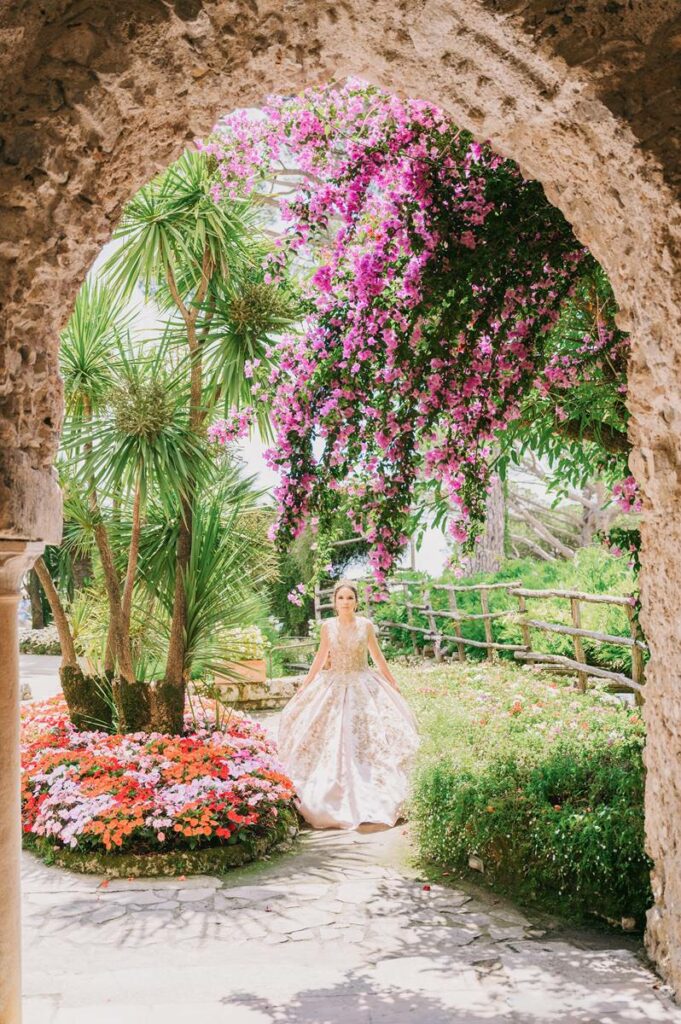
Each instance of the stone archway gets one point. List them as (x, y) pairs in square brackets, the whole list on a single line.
[(584, 97)]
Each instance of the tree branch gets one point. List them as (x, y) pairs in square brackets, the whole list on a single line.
[(518, 538), (524, 515)]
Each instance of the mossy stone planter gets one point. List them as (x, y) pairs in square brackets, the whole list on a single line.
[(209, 861)]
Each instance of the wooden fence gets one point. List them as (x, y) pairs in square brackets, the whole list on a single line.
[(418, 598)]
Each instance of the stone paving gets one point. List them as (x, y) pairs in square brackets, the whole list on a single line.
[(339, 930)]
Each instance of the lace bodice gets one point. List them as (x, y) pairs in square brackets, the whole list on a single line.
[(348, 645)]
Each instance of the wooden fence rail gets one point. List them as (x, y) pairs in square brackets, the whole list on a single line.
[(418, 598)]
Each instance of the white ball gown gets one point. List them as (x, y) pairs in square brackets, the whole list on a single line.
[(348, 739)]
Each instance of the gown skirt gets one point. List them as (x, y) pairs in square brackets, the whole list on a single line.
[(348, 740)]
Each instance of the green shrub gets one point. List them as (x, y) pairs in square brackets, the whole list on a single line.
[(39, 641), (541, 782)]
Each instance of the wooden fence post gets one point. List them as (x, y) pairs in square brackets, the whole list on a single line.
[(453, 607), (637, 666), (432, 625), (410, 616), (577, 641), (524, 628), (484, 601)]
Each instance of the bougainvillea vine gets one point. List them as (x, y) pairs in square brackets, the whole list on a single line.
[(439, 272)]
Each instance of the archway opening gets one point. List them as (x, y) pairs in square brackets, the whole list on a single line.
[(509, 318), (564, 133)]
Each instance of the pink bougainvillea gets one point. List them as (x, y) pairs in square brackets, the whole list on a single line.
[(297, 594), (233, 428), (626, 494), (439, 272)]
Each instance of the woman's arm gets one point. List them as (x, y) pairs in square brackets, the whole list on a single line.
[(319, 658), (377, 655)]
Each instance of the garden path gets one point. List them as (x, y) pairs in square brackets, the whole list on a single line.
[(337, 932)]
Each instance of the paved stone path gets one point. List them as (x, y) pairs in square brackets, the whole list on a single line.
[(338, 931)]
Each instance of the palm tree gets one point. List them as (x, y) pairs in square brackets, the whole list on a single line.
[(203, 260), (135, 442), (87, 695), (86, 365), (229, 564), (87, 374), (139, 444)]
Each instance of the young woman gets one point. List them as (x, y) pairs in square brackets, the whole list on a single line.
[(347, 738)]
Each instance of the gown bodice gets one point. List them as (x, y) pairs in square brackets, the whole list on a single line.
[(348, 645)]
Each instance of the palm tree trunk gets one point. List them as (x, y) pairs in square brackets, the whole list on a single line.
[(113, 591), (68, 647), (85, 695), (133, 556), (82, 570), (168, 696), (37, 613), (131, 697)]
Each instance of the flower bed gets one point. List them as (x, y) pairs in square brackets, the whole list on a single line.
[(90, 799), (39, 641), (543, 784)]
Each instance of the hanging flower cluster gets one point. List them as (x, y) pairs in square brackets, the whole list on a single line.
[(626, 494), (146, 792), (602, 348), (233, 428), (439, 272)]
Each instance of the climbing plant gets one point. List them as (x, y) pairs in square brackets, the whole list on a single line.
[(446, 309)]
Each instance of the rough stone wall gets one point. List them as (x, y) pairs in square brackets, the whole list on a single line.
[(585, 96)]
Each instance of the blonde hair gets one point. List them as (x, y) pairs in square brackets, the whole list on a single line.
[(350, 585)]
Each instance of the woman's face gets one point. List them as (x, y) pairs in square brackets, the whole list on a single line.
[(345, 600)]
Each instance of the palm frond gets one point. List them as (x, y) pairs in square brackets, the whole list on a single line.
[(143, 436), (169, 225), (87, 342)]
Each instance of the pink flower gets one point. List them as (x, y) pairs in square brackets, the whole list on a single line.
[(627, 495), (236, 426)]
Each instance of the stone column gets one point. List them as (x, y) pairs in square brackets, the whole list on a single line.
[(16, 558)]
